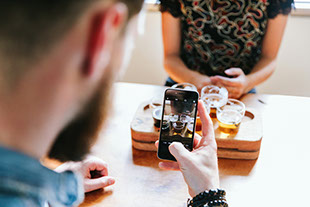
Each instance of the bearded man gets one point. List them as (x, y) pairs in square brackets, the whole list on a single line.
[(58, 61)]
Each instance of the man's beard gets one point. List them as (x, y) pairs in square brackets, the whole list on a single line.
[(76, 139)]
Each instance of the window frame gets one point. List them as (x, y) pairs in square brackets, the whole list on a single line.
[(301, 8)]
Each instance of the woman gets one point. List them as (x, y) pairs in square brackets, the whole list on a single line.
[(231, 43)]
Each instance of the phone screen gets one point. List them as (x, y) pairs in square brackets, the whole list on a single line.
[(178, 121)]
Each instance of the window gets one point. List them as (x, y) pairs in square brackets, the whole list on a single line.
[(302, 7), (154, 1), (152, 5)]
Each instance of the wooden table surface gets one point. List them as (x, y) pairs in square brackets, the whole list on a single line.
[(279, 177)]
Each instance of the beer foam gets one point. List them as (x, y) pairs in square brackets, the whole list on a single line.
[(215, 100), (229, 117)]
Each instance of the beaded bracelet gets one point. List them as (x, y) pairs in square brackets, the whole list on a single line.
[(211, 198)]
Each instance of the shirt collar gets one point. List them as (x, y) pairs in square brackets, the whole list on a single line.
[(26, 176)]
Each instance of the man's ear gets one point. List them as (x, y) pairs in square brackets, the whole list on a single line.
[(103, 31)]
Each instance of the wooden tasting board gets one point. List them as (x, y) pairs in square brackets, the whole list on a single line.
[(245, 145)]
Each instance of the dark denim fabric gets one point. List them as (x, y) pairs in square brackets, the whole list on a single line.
[(170, 82), (25, 182), (253, 91)]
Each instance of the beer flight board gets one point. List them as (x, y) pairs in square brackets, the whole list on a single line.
[(244, 145)]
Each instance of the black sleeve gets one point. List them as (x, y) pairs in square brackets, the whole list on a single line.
[(171, 6), (276, 7)]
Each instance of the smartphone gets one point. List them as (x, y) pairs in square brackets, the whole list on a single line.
[(178, 121)]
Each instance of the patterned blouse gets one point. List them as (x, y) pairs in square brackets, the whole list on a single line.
[(220, 34)]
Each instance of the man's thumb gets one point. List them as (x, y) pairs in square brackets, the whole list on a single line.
[(97, 183), (179, 152)]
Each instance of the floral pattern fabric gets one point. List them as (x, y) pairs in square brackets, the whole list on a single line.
[(220, 34)]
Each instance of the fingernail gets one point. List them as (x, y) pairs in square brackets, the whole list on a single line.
[(111, 181)]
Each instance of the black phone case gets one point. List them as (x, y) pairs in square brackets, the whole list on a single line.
[(162, 152)]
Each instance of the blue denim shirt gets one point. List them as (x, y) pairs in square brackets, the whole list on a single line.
[(25, 182)]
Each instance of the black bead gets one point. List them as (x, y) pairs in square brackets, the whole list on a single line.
[(212, 192)]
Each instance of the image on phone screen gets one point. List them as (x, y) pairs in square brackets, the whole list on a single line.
[(178, 121)]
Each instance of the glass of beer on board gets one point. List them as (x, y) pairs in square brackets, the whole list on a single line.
[(185, 86), (217, 97), (230, 116), (155, 106)]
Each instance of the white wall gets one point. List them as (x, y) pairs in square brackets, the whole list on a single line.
[(146, 65), (292, 76)]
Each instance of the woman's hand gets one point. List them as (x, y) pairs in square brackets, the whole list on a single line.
[(199, 167), (201, 81), (93, 170), (236, 86)]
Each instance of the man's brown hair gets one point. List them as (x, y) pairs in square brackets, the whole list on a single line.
[(29, 28)]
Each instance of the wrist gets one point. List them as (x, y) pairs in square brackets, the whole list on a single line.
[(210, 198), (249, 83)]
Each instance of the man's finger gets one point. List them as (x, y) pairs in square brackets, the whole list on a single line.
[(179, 152), (98, 183), (207, 126), (169, 166), (96, 164), (197, 139)]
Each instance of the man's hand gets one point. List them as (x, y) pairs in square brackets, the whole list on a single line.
[(93, 170), (236, 86), (199, 167)]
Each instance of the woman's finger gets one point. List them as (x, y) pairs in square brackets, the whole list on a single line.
[(220, 80), (234, 72)]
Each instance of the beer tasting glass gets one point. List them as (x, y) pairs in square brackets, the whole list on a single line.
[(230, 116), (217, 97), (185, 86), (156, 109)]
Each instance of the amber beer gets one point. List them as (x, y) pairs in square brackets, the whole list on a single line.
[(198, 125), (230, 116), (229, 122), (213, 113), (215, 101)]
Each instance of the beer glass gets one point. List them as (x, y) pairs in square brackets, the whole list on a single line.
[(230, 116), (156, 101), (185, 86), (217, 97), (156, 109)]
